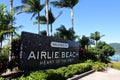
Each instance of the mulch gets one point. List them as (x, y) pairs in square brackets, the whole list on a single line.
[(12, 74)]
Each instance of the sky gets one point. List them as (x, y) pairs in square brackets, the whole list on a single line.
[(90, 16)]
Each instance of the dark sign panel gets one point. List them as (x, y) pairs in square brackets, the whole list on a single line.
[(41, 52)]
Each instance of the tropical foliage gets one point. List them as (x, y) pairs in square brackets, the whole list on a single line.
[(31, 6), (51, 17), (67, 4), (100, 52), (62, 73), (84, 41), (63, 33), (96, 36), (5, 27)]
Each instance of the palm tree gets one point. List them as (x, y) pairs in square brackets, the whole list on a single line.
[(96, 36), (63, 33), (84, 41), (11, 34), (47, 16), (31, 6), (51, 20), (67, 4), (5, 20)]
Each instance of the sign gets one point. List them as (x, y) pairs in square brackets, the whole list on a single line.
[(59, 45), (41, 52)]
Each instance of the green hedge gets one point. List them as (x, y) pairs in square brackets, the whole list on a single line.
[(99, 66), (58, 74), (63, 73)]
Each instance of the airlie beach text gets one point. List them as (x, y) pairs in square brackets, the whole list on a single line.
[(52, 57)]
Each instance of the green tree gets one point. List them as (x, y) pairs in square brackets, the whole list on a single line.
[(31, 6), (5, 27), (96, 36), (51, 18), (67, 4), (84, 41), (63, 33), (103, 51)]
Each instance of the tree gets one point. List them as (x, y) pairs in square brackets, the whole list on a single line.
[(5, 19), (11, 34), (84, 41), (67, 4), (31, 6), (51, 18), (103, 51), (63, 33), (96, 36)]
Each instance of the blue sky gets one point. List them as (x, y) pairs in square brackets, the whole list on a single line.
[(90, 16)]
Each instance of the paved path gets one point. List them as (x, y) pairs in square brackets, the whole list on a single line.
[(109, 74)]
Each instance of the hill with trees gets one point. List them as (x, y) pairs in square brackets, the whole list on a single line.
[(116, 46)]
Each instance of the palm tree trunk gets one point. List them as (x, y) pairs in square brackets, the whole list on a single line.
[(96, 42), (11, 34), (38, 23), (47, 17), (72, 18), (50, 29)]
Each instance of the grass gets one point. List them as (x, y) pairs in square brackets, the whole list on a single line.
[(115, 65)]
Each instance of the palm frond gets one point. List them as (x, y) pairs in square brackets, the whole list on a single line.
[(60, 13), (33, 15)]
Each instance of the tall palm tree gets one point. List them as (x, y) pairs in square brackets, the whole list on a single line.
[(11, 34), (96, 36), (31, 6), (52, 19), (67, 4), (47, 16), (5, 20)]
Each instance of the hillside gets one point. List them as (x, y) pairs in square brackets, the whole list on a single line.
[(116, 46)]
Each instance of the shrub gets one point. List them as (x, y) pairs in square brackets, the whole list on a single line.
[(1, 78), (99, 66), (38, 75), (52, 75), (4, 59), (62, 71), (89, 61), (3, 64)]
